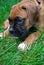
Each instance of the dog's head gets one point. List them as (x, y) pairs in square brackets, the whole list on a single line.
[(22, 17)]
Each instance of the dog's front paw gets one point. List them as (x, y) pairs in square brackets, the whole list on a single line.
[(1, 35), (22, 46)]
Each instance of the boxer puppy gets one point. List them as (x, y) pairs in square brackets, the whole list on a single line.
[(24, 16)]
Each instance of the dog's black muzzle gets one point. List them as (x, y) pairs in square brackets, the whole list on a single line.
[(18, 29)]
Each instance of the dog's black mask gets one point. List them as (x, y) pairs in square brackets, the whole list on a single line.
[(17, 28)]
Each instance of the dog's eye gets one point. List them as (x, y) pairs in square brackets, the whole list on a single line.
[(18, 19), (24, 8), (38, 1), (9, 19)]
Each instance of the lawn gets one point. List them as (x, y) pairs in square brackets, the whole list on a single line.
[(9, 53)]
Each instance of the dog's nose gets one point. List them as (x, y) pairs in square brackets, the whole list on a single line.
[(11, 29)]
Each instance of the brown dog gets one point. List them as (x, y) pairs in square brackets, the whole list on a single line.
[(22, 18)]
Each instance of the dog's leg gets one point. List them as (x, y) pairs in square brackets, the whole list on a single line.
[(6, 24), (5, 33), (29, 40)]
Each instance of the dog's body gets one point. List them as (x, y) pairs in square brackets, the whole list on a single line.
[(22, 17)]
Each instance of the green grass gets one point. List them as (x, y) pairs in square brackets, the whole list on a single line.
[(9, 54)]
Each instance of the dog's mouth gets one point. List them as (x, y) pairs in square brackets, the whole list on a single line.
[(19, 31)]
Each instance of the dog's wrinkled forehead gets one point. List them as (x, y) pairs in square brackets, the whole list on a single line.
[(23, 10), (18, 11)]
